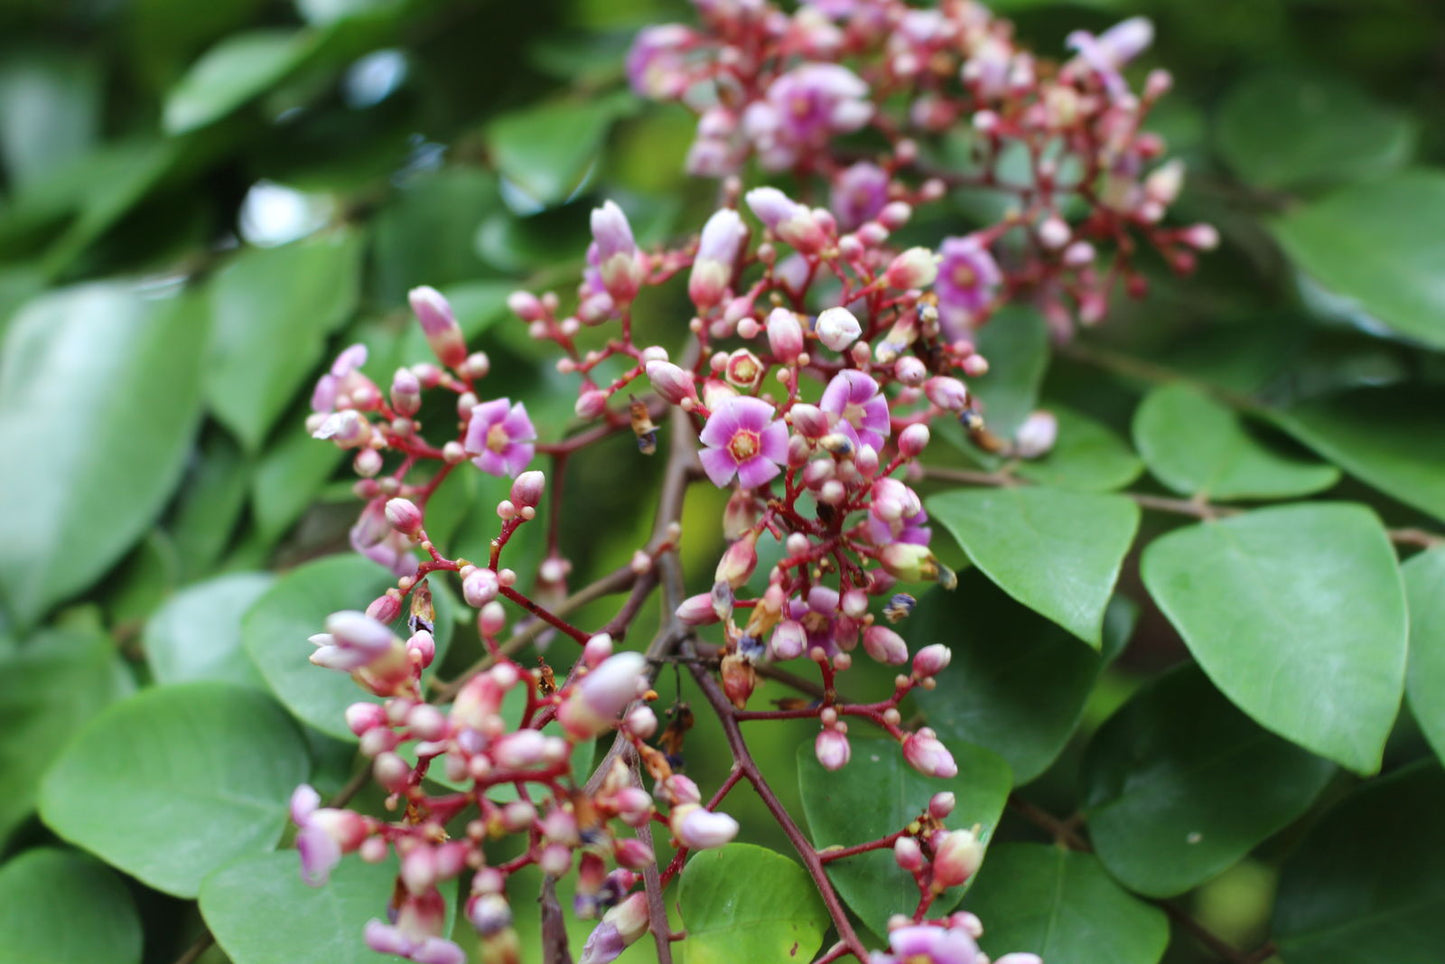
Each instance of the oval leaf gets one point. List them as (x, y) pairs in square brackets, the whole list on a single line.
[(746, 903), (1016, 343), (547, 150), (101, 390), (878, 793), (301, 923), (1297, 613), (1366, 884), (1378, 242), (1179, 785), (1062, 906), (1425, 677), (58, 905), (196, 635), (1055, 551), (177, 781), (1017, 683), (294, 295), (1196, 446), (1087, 456), (276, 628), (239, 68)]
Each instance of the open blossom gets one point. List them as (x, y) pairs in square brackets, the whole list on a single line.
[(802, 109), (743, 439), (968, 278), (500, 434), (861, 411), (858, 194), (335, 382), (655, 63), (416, 935), (928, 944), (374, 537), (1107, 53), (323, 834)]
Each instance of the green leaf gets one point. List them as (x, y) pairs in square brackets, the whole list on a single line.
[(50, 105), (196, 635), (276, 628), (212, 498), (878, 793), (1377, 242), (99, 389), (424, 235), (1087, 456), (1282, 128), (1197, 446), (49, 687), (1425, 678), (301, 923), (271, 311), (58, 905), (1016, 343), (1368, 883), (1297, 613), (547, 151), (1179, 785), (1055, 551), (287, 478), (743, 903), (1393, 439), (1017, 683), (235, 71), (1062, 906), (177, 781)]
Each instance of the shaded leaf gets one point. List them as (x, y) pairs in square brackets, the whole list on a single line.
[(1180, 785), (1298, 615), (177, 781), (545, 151), (235, 71), (58, 905), (50, 104), (878, 793), (1055, 551), (743, 902), (1016, 344), (1425, 677), (196, 635), (287, 477)]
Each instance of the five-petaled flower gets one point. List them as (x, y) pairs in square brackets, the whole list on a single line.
[(500, 435), (742, 438)]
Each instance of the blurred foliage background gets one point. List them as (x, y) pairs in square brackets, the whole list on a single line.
[(200, 203)]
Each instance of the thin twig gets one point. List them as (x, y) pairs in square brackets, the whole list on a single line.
[(193, 953)]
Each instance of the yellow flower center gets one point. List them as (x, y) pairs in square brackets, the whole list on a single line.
[(497, 439), (963, 276), (744, 445)]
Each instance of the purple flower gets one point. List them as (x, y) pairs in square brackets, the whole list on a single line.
[(742, 438), (818, 615), (656, 65), (1107, 53), (859, 193), (861, 411), (374, 537), (416, 933), (352, 640), (501, 434), (896, 515), (802, 109), (328, 386), (967, 279), (324, 834), (928, 944)]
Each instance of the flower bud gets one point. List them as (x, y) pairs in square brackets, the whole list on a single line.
[(885, 646), (914, 268), (913, 440), (785, 335), (618, 263), (956, 856), (908, 854), (1037, 435), (526, 306), (739, 679), (671, 382), (738, 562), (931, 660), (699, 829), (489, 913), (697, 610), (909, 562), (527, 489), (480, 587), (941, 804), (595, 702), (832, 749), (928, 756), (947, 393), (620, 927), (385, 608), (405, 392), (590, 403), (809, 421), (404, 516), (838, 328), (439, 324)]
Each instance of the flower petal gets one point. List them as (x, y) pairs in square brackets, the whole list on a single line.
[(719, 466), (757, 471)]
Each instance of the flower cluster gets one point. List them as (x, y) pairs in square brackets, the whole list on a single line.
[(818, 359)]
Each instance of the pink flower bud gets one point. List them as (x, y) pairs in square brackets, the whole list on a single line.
[(956, 856), (591, 403), (785, 335), (1037, 435), (717, 251), (699, 829), (421, 648), (1054, 233), (838, 328), (697, 610), (1201, 237), (489, 914), (617, 260), (596, 649), (524, 748), (885, 646), (928, 756), (908, 854), (443, 333), (620, 927), (738, 562), (361, 717), (914, 268), (384, 608), (480, 587), (404, 516), (526, 306), (941, 804), (789, 640), (832, 749), (931, 660), (641, 722), (809, 421), (679, 790), (913, 440), (596, 702), (527, 489), (671, 382), (405, 392), (632, 854), (947, 393)]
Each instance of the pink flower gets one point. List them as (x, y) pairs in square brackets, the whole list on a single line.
[(324, 834), (336, 381), (859, 193), (862, 413), (967, 279), (656, 65), (743, 439), (928, 944), (802, 109), (374, 537), (1107, 53), (501, 434)]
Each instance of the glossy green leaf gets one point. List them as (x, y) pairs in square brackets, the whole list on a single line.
[(1062, 906), (196, 635), (1377, 242), (50, 105), (1393, 439), (1368, 884), (424, 235), (1425, 675), (142, 580), (213, 496), (546, 151), (238, 69), (1087, 456), (1197, 446), (1282, 128), (276, 628), (49, 687), (271, 312), (1179, 785), (302, 923), (1298, 615), (59, 905), (177, 781), (1017, 683), (744, 903), (99, 388), (878, 793), (1016, 343), (1055, 551), (286, 479)]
